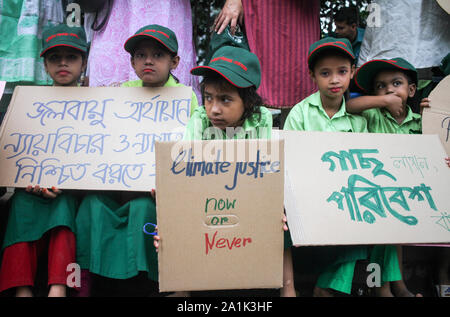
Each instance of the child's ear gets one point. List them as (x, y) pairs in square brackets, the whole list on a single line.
[(352, 71), (311, 74), (174, 63), (412, 90), (132, 62)]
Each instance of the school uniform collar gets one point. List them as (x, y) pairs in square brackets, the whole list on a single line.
[(410, 116), (314, 100)]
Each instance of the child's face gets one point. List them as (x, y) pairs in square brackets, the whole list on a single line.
[(224, 107), (152, 63), (332, 74), (393, 82), (64, 65)]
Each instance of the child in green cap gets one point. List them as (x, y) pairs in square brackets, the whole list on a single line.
[(233, 110), (391, 83), (154, 54), (331, 67), (110, 241), (41, 217)]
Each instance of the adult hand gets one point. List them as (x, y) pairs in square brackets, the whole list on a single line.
[(232, 13)]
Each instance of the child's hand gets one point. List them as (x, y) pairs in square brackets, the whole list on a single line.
[(285, 227), (394, 105), (156, 239), (447, 160), (46, 193), (153, 194), (425, 103)]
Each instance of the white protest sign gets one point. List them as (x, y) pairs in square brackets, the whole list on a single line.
[(436, 118), (89, 138), (351, 188), (219, 211)]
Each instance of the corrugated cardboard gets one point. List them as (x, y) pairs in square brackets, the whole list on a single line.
[(89, 138), (436, 118), (358, 188), (214, 238)]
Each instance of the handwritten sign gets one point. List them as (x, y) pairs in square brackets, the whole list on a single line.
[(350, 188), (89, 138), (219, 211), (436, 119)]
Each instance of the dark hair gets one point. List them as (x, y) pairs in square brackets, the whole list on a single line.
[(328, 53), (348, 15), (252, 101)]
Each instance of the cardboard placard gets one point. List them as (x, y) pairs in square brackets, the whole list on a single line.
[(89, 138), (220, 214), (358, 188), (436, 118)]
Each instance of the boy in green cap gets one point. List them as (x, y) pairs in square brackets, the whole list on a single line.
[(390, 83), (331, 67), (233, 110), (41, 217)]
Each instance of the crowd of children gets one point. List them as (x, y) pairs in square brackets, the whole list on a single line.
[(102, 231)]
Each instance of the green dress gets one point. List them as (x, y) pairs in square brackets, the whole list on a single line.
[(110, 238), (110, 230), (336, 265), (31, 216)]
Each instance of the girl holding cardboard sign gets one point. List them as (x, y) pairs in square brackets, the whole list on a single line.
[(233, 111), (110, 241), (41, 217)]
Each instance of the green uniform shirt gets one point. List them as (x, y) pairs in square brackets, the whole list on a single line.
[(171, 82), (379, 120), (309, 115), (258, 126)]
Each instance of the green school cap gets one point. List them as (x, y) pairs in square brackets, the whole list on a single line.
[(330, 44), (237, 65), (366, 73), (445, 65), (153, 31), (63, 35)]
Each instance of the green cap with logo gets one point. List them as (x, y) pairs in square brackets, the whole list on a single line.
[(163, 35), (342, 45), (237, 65), (365, 75), (63, 35)]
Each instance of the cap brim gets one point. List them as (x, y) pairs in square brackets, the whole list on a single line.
[(230, 76), (133, 40), (328, 47), (83, 50), (365, 75)]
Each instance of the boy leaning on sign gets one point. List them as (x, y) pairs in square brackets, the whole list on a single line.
[(331, 67), (390, 83), (233, 110), (41, 217)]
